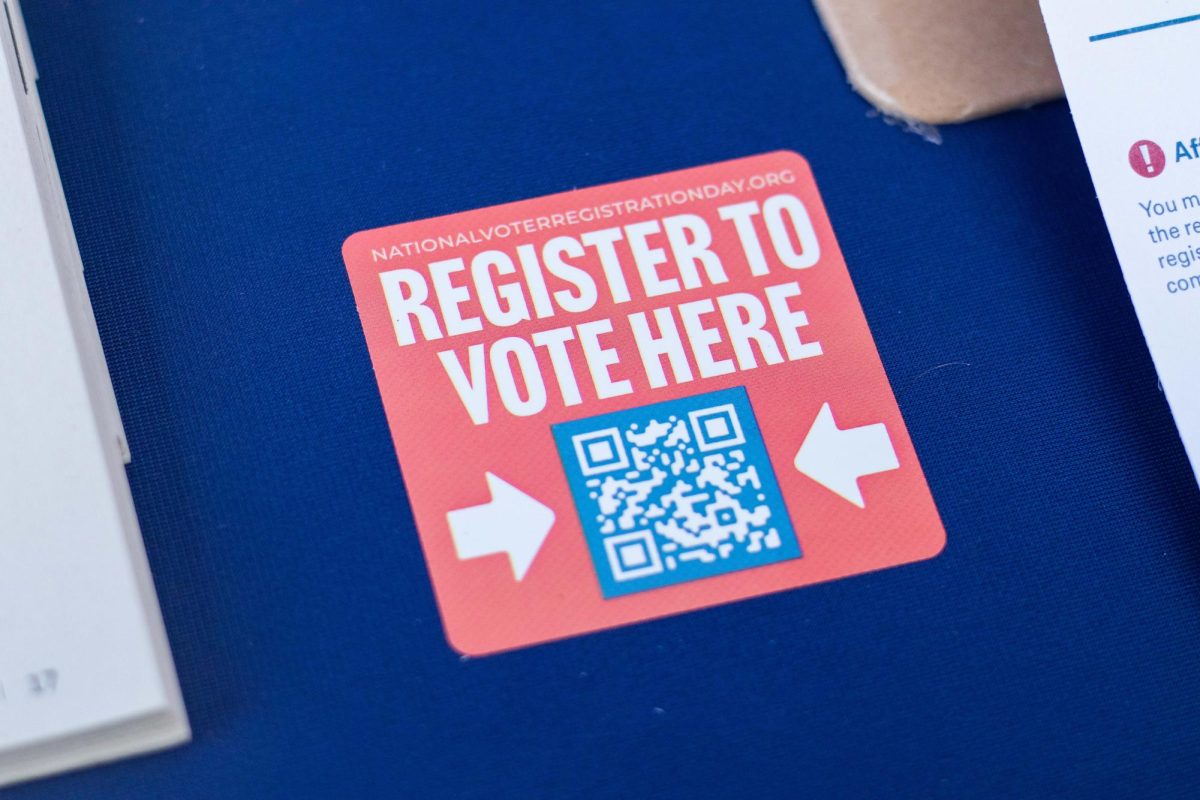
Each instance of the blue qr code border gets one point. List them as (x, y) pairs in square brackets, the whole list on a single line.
[(631, 559)]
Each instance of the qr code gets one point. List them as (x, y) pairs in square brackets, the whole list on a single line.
[(675, 491)]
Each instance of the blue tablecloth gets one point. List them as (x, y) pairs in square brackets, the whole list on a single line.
[(215, 156)]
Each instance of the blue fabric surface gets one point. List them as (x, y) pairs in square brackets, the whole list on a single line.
[(215, 156)]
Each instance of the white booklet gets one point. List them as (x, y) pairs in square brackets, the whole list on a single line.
[(1128, 70), (85, 671)]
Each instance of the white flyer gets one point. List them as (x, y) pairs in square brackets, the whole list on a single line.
[(1129, 71)]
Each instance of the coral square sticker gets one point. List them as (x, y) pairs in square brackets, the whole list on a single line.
[(635, 400)]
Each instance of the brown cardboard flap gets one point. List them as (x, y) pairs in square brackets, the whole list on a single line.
[(938, 61)]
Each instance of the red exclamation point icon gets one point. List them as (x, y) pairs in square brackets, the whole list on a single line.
[(1147, 158)]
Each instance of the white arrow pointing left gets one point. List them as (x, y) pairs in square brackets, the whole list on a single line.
[(837, 457), (512, 522)]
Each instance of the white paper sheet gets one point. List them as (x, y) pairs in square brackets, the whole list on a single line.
[(1129, 71), (81, 642)]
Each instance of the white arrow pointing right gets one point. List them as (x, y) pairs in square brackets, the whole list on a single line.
[(512, 522), (837, 458)]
